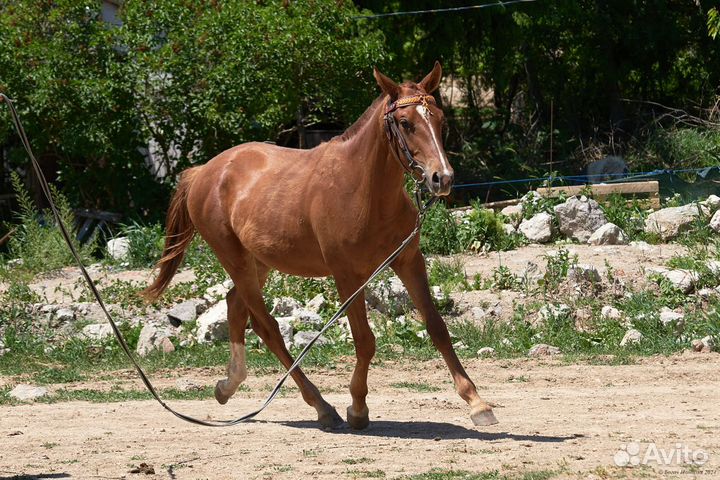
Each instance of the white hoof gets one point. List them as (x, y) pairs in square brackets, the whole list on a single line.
[(483, 418)]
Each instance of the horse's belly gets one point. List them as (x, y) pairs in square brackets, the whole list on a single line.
[(291, 254)]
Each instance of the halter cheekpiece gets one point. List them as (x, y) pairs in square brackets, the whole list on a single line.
[(392, 130)]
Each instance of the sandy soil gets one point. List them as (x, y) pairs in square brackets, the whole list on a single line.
[(571, 419)]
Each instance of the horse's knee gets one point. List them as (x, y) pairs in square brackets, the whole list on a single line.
[(365, 346)]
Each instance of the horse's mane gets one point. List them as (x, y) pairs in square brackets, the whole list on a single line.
[(360, 122)]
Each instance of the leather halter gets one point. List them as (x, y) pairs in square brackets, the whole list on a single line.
[(393, 132)]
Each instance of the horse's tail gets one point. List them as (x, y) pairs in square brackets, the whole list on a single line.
[(179, 233)]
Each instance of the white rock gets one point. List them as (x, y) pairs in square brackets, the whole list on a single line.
[(286, 329), (509, 229), (715, 221), (388, 296), (459, 345), (708, 344), (670, 317), (486, 352), (642, 246), (610, 313), (25, 393), (553, 312), (539, 228), (543, 349), (316, 304), (153, 337), (578, 218), (97, 331), (511, 210), (713, 266), (669, 222), (63, 315), (713, 201), (213, 324), (583, 273), (632, 336), (217, 292), (707, 293), (301, 339), (15, 262), (683, 280), (184, 312), (608, 234), (284, 306), (309, 318), (118, 248), (344, 323)]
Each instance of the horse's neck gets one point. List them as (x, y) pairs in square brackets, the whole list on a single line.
[(369, 156)]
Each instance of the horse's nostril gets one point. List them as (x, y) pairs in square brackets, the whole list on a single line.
[(435, 179)]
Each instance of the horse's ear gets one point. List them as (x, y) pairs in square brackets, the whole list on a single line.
[(388, 86), (432, 81)]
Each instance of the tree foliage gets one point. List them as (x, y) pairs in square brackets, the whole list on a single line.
[(190, 78)]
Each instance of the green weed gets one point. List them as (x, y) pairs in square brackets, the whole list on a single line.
[(416, 387), (37, 240), (448, 274)]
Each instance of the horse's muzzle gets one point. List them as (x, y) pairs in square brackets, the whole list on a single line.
[(440, 184)]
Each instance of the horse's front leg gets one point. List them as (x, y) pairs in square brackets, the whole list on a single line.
[(410, 267)]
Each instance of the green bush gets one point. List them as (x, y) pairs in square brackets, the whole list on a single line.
[(478, 229), (145, 244), (629, 216)]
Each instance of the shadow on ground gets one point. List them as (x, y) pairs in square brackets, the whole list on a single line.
[(428, 431)]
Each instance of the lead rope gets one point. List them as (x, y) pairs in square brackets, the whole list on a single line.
[(422, 210)]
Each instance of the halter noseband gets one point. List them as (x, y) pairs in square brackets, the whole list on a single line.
[(393, 132)]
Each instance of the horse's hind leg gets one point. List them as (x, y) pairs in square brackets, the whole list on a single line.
[(237, 322), (236, 370), (248, 287)]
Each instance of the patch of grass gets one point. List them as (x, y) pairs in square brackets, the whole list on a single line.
[(448, 274), (444, 474), (119, 395), (367, 473), (504, 279), (356, 461), (416, 387), (557, 265)]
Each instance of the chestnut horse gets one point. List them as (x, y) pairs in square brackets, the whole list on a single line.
[(338, 209)]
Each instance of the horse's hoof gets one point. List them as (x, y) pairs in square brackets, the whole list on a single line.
[(330, 419), (483, 417), (220, 396), (358, 422)]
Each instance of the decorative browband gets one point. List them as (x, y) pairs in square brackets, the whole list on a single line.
[(410, 100)]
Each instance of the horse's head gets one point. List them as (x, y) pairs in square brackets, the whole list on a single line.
[(415, 124)]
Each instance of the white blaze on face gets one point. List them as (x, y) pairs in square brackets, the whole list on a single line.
[(425, 114)]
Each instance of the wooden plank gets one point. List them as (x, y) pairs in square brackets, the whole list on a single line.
[(603, 190)]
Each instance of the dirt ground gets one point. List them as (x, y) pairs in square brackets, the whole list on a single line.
[(569, 419)]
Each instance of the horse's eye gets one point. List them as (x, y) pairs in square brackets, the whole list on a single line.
[(405, 124)]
